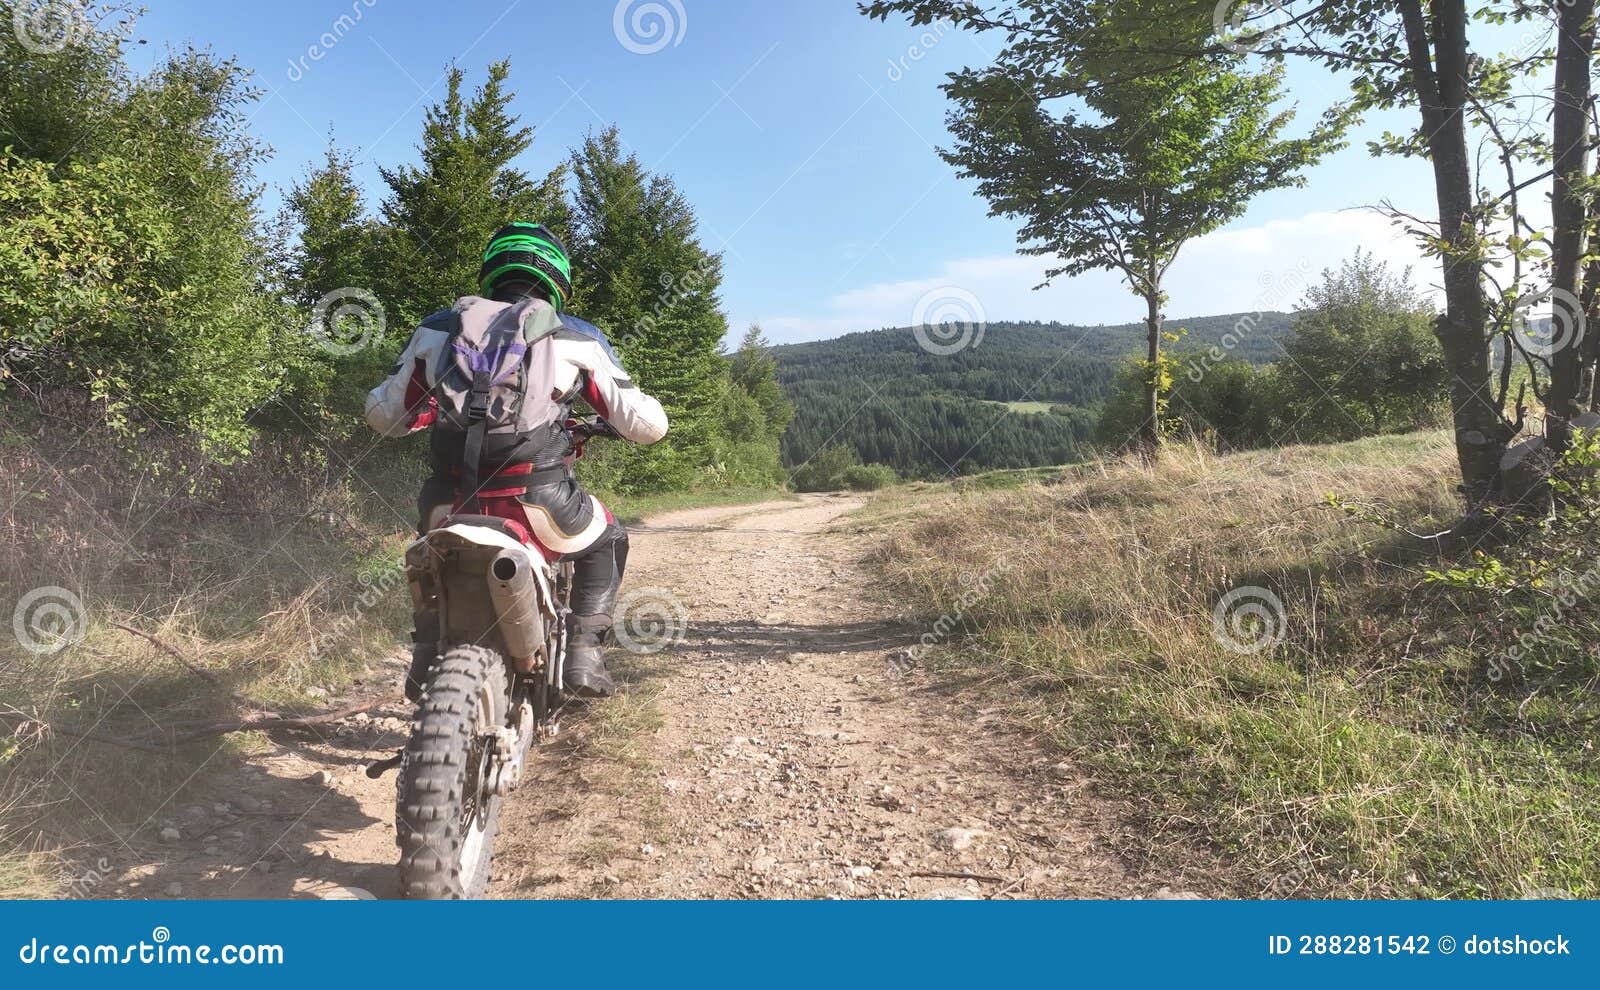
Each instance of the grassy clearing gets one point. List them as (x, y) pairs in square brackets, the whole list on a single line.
[(1366, 753), (1027, 408)]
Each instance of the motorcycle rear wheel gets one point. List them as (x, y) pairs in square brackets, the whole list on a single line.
[(445, 820)]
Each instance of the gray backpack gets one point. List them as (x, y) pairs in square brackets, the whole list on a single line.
[(493, 378)]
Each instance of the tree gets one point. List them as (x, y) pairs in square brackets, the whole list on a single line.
[(754, 415), (755, 371), (1415, 55), (130, 261), (1364, 341), (334, 240), (441, 212), (1127, 174), (328, 255), (1570, 204), (640, 272)]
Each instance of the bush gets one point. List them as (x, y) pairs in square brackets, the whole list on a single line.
[(824, 472), (1226, 403), (868, 477)]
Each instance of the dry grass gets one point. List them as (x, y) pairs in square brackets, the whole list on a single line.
[(275, 576), (1366, 754)]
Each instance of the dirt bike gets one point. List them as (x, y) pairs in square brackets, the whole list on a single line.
[(494, 690)]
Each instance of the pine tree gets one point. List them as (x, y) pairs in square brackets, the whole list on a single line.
[(329, 251), (441, 212), (641, 274), (755, 371), (333, 239)]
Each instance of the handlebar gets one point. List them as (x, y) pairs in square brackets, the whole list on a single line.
[(589, 427)]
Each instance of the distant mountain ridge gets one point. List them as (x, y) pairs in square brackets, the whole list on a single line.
[(898, 402)]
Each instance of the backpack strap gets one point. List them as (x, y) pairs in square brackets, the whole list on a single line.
[(477, 428)]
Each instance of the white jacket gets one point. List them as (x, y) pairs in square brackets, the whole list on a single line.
[(568, 357)]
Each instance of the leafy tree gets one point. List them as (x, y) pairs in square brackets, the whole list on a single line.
[(754, 414), (825, 470), (1416, 55), (1230, 404), (1125, 175), (1365, 342), (441, 212), (130, 260)]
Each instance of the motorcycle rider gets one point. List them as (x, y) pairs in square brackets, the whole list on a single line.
[(524, 477)]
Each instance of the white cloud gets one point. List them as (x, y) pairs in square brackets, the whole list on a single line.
[(1231, 271)]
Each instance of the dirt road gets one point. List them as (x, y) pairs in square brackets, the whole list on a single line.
[(775, 751)]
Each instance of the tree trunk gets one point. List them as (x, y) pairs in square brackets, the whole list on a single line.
[(1568, 212), (1150, 432), (1481, 432)]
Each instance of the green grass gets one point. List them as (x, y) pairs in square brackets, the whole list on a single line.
[(1365, 754)]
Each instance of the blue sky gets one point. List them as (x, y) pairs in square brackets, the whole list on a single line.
[(802, 132)]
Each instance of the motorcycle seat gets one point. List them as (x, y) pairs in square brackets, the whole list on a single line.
[(509, 527)]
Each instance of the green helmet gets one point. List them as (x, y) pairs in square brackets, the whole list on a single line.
[(519, 250)]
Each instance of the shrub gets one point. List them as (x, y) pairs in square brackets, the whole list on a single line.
[(868, 477)]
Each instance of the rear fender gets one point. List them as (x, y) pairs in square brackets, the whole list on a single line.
[(450, 570)]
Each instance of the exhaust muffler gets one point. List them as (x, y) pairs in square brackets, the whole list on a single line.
[(515, 593)]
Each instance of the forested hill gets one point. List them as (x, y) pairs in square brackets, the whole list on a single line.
[(892, 401)]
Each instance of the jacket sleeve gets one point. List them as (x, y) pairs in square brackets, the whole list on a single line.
[(404, 402), (606, 387)]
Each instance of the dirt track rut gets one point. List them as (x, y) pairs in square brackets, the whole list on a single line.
[(776, 751)]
